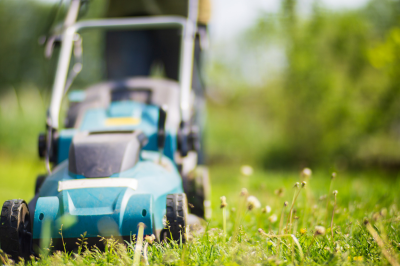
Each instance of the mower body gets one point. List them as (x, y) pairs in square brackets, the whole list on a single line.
[(110, 173)]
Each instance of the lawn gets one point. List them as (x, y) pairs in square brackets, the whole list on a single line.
[(361, 197)]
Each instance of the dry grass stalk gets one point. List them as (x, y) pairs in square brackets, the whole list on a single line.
[(138, 247), (381, 244), (298, 188), (2, 259), (239, 212), (333, 212), (319, 231), (146, 260), (285, 204), (293, 237), (333, 176)]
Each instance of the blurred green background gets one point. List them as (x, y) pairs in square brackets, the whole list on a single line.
[(318, 89)]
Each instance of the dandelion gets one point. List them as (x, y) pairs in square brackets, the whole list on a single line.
[(223, 205), (323, 197), (253, 202), (319, 230), (273, 218), (303, 231), (246, 170), (267, 209), (244, 192), (223, 202), (150, 239), (306, 173), (280, 192)]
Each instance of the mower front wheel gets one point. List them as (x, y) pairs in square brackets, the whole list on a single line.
[(176, 216), (16, 229)]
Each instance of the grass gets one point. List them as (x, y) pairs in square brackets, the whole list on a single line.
[(362, 196), (255, 236)]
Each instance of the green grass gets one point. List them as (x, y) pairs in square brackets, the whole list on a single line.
[(18, 177), (371, 196)]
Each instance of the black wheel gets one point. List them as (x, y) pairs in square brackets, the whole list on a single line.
[(16, 229), (176, 216), (39, 182), (197, 188)]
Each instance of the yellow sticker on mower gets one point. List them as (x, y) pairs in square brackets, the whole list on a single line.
[(122, 121)]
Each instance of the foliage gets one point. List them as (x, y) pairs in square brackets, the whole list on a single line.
[(327, 91), (317, 89)]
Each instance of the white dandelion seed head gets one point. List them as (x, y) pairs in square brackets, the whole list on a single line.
[(246, 170), (319, 230), (273, 218), (253, 203), (306, 172)]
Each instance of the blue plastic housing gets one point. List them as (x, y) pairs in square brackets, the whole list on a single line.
[(110, 211)]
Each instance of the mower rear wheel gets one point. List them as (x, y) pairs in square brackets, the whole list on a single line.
[(197, 188), (16, 229), (176, 216)]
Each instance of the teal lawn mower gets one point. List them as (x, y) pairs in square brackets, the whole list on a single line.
[(127, 154)]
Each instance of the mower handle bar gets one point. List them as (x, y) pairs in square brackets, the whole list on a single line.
[(186, 56)]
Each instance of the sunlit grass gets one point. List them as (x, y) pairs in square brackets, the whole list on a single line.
[(253, 233), (18, 177)]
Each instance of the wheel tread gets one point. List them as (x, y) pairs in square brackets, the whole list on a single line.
[(9, 228), (176, 213)]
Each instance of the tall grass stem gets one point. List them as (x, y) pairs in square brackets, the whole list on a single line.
[(224, 222), (333, 213), (381, 244), (138, 247), (293, 237)]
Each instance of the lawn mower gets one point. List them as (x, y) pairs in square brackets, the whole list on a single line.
[(127, 153)]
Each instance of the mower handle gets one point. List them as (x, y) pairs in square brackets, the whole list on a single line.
[(125, 23)]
